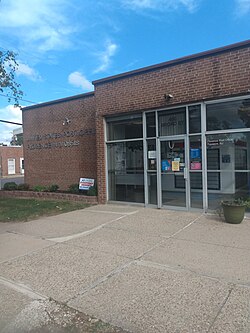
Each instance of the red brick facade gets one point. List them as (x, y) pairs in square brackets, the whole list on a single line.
[(60, 141), (216, 74), (10, 152), (210, 75)]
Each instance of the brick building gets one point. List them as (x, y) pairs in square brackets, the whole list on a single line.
[(175, 135), (11, 161)]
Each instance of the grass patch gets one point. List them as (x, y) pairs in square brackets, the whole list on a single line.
[(15, 210)]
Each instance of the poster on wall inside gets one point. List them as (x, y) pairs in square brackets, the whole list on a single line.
[(195, 166), (195, 153), (152, 154), (166, 165), (175, 166)]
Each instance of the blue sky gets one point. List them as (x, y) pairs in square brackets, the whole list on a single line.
[(63, 45)]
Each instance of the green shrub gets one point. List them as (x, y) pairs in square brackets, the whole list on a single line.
[(10, 186), (53, 188), (23, 187), (40, 188), (92, 191), (74, 188)]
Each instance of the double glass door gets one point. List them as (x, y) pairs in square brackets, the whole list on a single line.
[(173, 173)]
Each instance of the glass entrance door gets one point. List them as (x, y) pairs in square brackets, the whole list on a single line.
[(173, 174)]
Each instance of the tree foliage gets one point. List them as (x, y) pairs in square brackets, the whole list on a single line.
[(8, 84)]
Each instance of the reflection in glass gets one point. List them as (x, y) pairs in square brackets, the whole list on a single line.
[(125, 171), (151, 127), (172, 122), (129, 128), (194, 119), (228, 115), (152, 188)]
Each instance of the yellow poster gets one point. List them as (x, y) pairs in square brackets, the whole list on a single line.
[(175, 166)]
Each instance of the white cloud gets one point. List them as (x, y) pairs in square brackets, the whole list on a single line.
[(243, 7), (27, 71), (162, 5), (105, 56), (9, 113), (79, 80), (38, 24)]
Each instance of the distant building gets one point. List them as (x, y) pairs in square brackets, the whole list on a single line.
[(11, 161), (17, 137)]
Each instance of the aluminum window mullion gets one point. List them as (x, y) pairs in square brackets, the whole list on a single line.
[(204, 157), (158, 163), (230, 99), (231, 131), (145, 159), (106, 158)]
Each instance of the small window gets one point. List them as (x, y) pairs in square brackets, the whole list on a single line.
[(229, 115), (194, 119), (129, 127), (151, 127), (172, 122)]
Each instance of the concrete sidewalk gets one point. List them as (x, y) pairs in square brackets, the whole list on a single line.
[(145, 270)]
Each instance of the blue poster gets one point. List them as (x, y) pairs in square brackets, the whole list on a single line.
[(166, 165), (195, 153)]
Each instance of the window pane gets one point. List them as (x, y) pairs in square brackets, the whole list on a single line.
[(130, 128), (152, 188), (151, 127), (125, 171), (172, 122), (194, 119), (233, 185), (228, 162), (195, 153), (229, 115)]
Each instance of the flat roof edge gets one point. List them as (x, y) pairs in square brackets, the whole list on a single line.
[(57, 101), (192, 57)]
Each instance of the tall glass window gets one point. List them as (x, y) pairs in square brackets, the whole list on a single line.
[(228, 166), (195, 157), (126, 171)]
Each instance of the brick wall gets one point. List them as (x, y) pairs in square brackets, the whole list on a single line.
[(210, 77), (92, 200), (213, 75), (56, 153), (10, 152)]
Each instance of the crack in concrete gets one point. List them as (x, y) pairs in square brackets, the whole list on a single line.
[(101, 280), (220, 310)]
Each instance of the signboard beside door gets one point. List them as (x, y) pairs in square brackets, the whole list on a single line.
[(86, 183)]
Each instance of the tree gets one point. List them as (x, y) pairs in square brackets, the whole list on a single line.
[(8, 68)]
